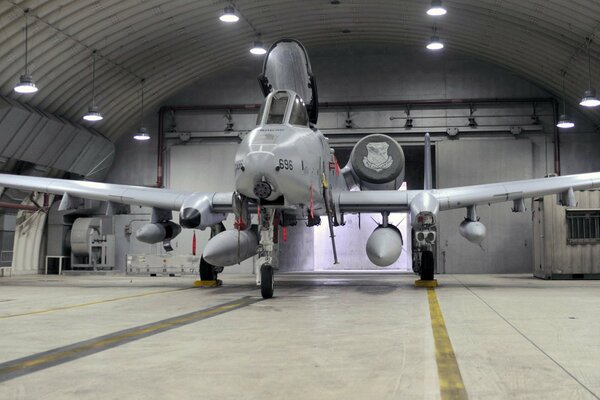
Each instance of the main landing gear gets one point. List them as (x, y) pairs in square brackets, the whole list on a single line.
[(423, 261), (423, 264), (209, 273), (426, 265)]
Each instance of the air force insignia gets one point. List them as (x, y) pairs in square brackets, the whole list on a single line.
[(377, 157)]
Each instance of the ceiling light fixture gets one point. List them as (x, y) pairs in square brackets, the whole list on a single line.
[(142, 133), (93, 114), (564, 122), (589, 98), (229, 15), (436, 8), (435, 43), (258, 48), (26, 84)]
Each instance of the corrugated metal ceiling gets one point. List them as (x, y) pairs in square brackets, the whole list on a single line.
[(173, 43)]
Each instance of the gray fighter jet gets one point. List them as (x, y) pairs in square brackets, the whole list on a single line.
[(285, 171)]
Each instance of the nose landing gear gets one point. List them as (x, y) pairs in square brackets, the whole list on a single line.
[(267, 253)]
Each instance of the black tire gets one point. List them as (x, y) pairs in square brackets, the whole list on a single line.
[(267, 281), (427, 265), (207, 271)]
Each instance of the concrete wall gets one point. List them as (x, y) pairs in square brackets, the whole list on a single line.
[(361, 73)]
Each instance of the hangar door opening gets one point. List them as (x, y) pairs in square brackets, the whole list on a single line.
[(351, 238)]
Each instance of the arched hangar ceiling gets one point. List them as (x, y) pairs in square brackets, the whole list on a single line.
[(172, 43)]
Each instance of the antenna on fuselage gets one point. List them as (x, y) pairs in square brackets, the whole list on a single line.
[(428, 176)]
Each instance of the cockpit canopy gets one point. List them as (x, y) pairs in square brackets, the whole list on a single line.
[(287, 67), (283, 107)]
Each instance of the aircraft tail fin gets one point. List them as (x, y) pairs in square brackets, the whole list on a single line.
[(428, 176)]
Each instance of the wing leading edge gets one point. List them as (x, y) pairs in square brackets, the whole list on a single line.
[(135, 195)]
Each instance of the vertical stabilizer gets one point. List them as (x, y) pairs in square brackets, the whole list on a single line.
[(428, 178)]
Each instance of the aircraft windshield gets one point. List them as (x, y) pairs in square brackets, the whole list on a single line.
[(277, 109), (261, 112), (299, 115)]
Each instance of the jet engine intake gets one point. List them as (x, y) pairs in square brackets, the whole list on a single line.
[(473, 231), (196, 212), (158, 232), (227, 248), (376, 163), (384, 246)]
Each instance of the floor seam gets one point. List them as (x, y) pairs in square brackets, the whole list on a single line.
[(528, 339)]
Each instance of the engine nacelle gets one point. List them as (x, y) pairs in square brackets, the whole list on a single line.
[(376, 163), (384, 246), (196, 212), (158, 232), (473, 231), (223, 250)]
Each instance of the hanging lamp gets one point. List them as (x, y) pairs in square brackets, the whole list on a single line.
[(142, 133), (93, 114), (589, 98), (26, 84)]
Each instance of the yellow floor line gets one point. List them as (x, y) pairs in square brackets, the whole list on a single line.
[(451, 383), (36, 362), (91, 303)]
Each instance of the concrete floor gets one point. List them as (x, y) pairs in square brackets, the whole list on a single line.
[(351, 336)]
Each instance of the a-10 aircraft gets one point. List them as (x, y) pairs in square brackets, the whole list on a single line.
[(285, 171)]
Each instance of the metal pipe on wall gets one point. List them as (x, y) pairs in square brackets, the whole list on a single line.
[(14, 206), (556, 138), (160, 169)]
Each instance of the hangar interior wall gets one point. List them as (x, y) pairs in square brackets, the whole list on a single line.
[(507, 247), (372, 73)]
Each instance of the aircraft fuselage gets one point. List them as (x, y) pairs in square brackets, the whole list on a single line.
[(284, 164)]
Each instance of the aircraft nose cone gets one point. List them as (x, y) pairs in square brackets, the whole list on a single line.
[(189, 218), (259, 178)]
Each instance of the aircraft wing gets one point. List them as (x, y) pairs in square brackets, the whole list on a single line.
[(458, 197), (135, 195), (507, 191)]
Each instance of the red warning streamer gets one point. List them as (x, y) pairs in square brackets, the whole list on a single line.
[(194, 244)]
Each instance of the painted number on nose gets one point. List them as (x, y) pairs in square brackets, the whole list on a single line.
[(285, 164)]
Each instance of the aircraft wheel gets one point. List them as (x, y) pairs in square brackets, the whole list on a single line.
[(207, 271), (427, 265), (267, 281)]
